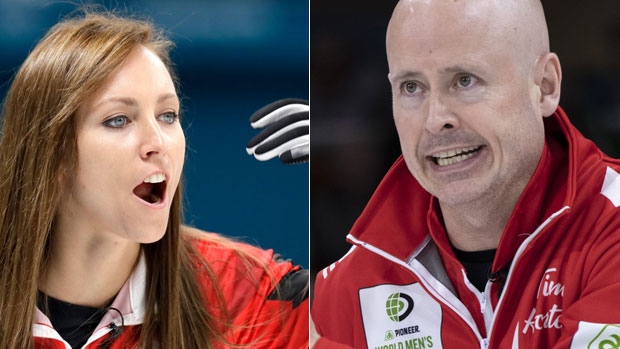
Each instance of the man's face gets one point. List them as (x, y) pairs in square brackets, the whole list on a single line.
[(464, 103)]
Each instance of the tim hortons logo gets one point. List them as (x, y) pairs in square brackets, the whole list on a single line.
[(549, 287)]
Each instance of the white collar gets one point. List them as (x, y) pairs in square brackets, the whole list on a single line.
[(130, 301)]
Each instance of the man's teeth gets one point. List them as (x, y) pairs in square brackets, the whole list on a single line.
[(454, 156), (156, 178)]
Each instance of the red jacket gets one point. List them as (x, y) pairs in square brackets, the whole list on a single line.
[(255, 309), (401, 286)]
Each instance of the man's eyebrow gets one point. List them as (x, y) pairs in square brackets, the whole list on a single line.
[(458, 69), (409, 74)]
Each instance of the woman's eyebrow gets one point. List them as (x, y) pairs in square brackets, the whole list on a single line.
[(132, 102)]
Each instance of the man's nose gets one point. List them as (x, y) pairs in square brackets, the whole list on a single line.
[(440, 117)]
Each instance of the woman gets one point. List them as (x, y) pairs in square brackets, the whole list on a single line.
[(93, 250)]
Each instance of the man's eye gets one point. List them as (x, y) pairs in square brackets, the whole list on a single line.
[(117, 121), (465, 80), (410, 87), (169, 117)]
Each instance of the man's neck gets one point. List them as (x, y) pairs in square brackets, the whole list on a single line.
[(478, 226)]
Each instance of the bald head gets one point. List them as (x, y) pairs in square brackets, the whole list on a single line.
[(471, 77), (516, 26)]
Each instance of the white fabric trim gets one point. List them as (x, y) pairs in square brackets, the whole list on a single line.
[(611, 186), (130, 301), (434, 286), (522, 247)]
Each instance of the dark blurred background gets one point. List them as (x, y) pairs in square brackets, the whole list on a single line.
[(354, 140), (233, 57)]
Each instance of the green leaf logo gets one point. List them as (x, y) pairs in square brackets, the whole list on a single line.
[(398, 306), (607, 338)]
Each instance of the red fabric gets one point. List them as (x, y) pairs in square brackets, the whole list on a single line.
[(564, 277), (261, 322)]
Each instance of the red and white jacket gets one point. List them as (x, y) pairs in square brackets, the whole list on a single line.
[(253, 307), (401, 287)]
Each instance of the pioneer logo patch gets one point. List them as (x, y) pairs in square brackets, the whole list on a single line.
[(399, 306), (400, 317)]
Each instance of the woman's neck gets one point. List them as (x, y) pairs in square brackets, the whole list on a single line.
[(87, 269)]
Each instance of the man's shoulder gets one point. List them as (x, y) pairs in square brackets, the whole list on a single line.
[(358, 268), (608, 182)]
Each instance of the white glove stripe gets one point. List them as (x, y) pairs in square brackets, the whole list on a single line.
[(279, 114), (300, 150), (276, 151), (292, 126)]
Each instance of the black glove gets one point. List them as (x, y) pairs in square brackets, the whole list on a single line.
[(286, 131)]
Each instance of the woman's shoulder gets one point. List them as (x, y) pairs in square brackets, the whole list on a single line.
[(214, 248), (228, 256), (265, 295), (246, 272)]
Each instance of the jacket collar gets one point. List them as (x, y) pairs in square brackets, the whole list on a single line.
[(130, 301)]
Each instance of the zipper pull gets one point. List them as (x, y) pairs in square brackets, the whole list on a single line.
[(484, 343), (483, 303)]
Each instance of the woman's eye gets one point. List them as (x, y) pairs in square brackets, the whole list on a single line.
[(169, 117), (117, 121), (410, 87)]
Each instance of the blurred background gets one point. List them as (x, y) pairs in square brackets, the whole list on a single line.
[(232, 57), (353, 136)]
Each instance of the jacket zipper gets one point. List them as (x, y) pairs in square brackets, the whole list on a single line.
[(515, 259), (441, 293), (486, 308), (432, 285)]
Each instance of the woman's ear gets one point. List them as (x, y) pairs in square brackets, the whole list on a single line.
[(62, 173), (549, 81)]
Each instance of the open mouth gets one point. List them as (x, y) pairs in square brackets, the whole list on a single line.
[(455, 156), (152, 189)]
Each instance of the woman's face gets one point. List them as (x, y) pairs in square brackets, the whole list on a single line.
[(131, 150)]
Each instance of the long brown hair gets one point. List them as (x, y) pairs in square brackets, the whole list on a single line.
[(38, 142)]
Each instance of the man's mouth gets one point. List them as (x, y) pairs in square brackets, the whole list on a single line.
[(152, 189), (451, 157)]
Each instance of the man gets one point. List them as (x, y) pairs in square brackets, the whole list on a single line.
[(498, 227)]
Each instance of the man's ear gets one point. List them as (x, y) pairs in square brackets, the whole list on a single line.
[(549, 81)]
